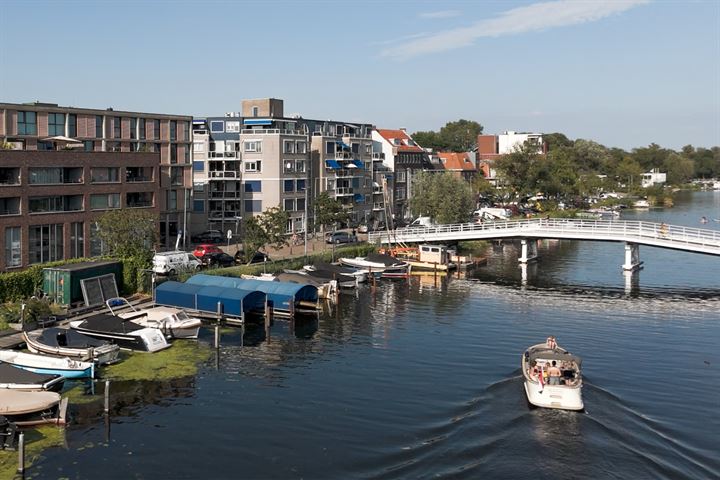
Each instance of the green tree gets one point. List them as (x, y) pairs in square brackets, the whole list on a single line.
[(430, 139), (629, 172), (442, 196), (461, 135), (328, 211), (480, 185), (254, 236), (274, 222), (556, 140), (128, 233), (679, 168), (519, 169)]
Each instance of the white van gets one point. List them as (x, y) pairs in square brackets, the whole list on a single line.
[(169, 263), (488, 213), (422, 222)]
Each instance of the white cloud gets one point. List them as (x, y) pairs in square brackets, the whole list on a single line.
[(440, 14), (531, 18)]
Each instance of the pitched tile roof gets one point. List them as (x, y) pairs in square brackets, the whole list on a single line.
[(456, 161), (407, 144)]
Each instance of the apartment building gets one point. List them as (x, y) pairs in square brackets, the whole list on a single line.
[(458, 164), (405, 159), (48, 127), (491, 147)]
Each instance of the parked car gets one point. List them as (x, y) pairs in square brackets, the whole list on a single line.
[(341, 237), (170, 263), (202, 250), (218, 259), (208, 236), (258, 257)]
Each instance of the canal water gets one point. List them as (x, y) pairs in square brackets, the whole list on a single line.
[(421, 379)]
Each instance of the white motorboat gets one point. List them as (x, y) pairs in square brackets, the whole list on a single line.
[(63, 342), (360, 275), (46, 364), (33, 408), (174, 322), (385, 265), (641, 204), (564, 395), (124, 333)]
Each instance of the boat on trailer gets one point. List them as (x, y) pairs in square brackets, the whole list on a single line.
[(123, 333), (67, 367), (33, 408), (64, 342), (173, 322), (567, 395), (14, 378)]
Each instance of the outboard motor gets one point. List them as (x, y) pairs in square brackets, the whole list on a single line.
[(62, 339), (8, 434)]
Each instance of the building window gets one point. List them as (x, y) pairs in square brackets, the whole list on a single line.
[(186, 149), (300, 166), (355, 148), (330, 147), (113, 146), (117, 127), (217, 126), (173, 153), (301, 147), (289, 186), (105, 175), (253, 206), (198, 166), (289, 166), (172, 199), (65, 203), (141, 129), (139, 199), (88, 145), (13, 247), (198, 147), (253, 146), (198, 206), (56, 124), (176, 175), (300, 185), (45, 243), (289, 204), (255, 111), (173, 130), (300, 204), (104, 201), (55, 175), (288, 146), (139, 174), (77, 240), (157, 148), (96, 245), (400, 176), (368, 149), (27, 123), (9, 175), (232, 127), (253, 166), (72, 125), (99, 133), (133, 128), (198, 187), (253, 186), (156, 129), (10, 206)]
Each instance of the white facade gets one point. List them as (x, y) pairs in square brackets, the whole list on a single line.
[(380, 145), (508, 141), (653, 177)]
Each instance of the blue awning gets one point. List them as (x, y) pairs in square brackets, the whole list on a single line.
[(257, 121), (359, 197), (342, 144), (333, 164), (359, 163)]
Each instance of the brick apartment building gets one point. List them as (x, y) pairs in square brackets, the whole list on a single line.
[(67, 165)]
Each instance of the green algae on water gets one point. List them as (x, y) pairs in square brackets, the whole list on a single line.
[(37, 440), (180, 360)]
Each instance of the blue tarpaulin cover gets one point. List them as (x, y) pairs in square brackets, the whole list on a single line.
[(234, 301), (279, 294)]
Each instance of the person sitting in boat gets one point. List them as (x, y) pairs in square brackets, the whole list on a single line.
[(551, 342), (554, 374), (533, 370)]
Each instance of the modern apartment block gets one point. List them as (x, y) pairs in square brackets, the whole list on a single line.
[(491, 147), (405, 159), (280, 162), (150, 149)]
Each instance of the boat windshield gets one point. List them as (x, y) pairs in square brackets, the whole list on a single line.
[(181, 315)]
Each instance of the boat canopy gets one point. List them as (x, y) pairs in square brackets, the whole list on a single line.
[(281, 295), (234, 301), (549, 354)]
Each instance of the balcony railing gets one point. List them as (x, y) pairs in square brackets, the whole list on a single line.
[(223, 174), (271, 131), (230, 155), (343, 190), (378, 206), (139, 178), (6, 212), (229, 195)]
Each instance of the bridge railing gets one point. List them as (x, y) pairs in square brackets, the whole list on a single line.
[(605, 229)]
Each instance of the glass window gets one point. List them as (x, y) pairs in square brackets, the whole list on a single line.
[(217, 126), (186, 149), (117, 127), (232, 127), (141, 129), (253, 166), (156, 129), (104, 201), (27, 123), (9, 175), (173, 153), (45, 243), (10, 206), (255, 111), (329, 147), (77, 240), (13, 247), (139, 199), (66, 203), (355, 147), (96, 246), (289, 186), (300, 166), (300, 204), (198, 147), (300, 185), (289, 166), (105, 175), (99, 126), (133, 128), (173, 130), (289, 204), (186, 131), (176, 175), (56, 124), (198, 206), (253, 186), (253, 146), (72, 125), (288, 146), (88, 145), (172, 199), (45, 175), (301, 147), (253, 206), (198, 166)]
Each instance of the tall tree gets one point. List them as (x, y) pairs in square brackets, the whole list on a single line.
[(519, 169), (431, 140), (442, 197), (128, 232), (679, 168), (328, 211), (461, 136), (274, 222), (254, 236)]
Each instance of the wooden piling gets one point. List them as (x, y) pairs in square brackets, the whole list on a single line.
[(21, 454), (107, 396), (217, 325)]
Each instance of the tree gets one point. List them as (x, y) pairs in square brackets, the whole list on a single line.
[(430, 139), (128, 233), (679, 169), (629, 171), (480, 185), (274, 222), (518, 169), (442, 196), (254, 236), (458, 136), (556, 140), (328, 211)]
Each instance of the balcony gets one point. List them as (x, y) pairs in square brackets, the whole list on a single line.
[(222, 174), (343, 191), (223, 155), (271, 131), (9, 176), (378, 206), (10, 206), (228, 195), (378, 157)]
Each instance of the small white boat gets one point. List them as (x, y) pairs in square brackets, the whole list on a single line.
[(123, 333), (174, 322), (641, 204), (567, 393), (64, 342), (265, 277), (66, 367), (33, 408), (15, 378), (385, 265)]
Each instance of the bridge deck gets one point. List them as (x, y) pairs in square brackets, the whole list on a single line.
[(638, 232)]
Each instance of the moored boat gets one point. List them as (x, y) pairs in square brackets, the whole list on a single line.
[(327, 289), (33, 408), (67, 367), (561, 392), (174, 322), (123, 333), (359, 274), (385, 265), (65, 342), (14, 378)]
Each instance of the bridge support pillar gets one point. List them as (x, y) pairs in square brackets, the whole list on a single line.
[(632, 257), (528, 250)]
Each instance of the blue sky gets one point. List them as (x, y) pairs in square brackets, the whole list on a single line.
[(623, 73)]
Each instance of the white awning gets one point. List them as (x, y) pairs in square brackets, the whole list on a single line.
[(61, 139)]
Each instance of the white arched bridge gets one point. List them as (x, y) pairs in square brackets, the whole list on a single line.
[(632, 233)]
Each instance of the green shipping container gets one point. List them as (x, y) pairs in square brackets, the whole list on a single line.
[(62, 284)]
